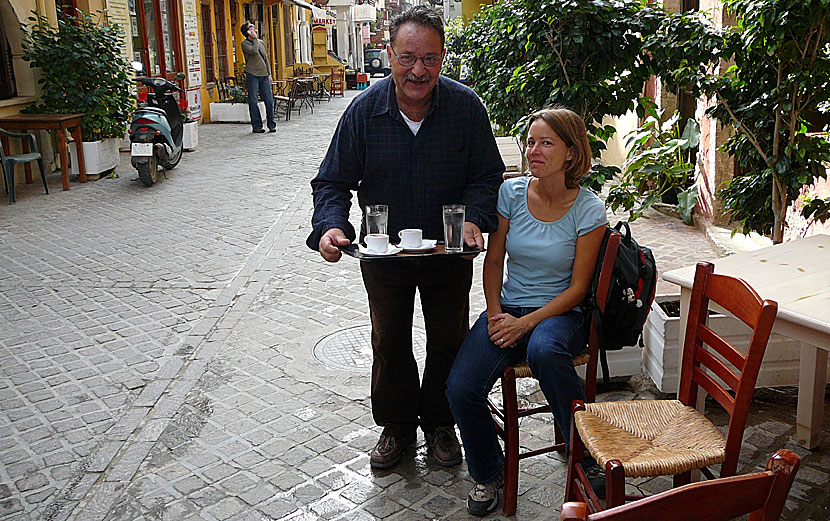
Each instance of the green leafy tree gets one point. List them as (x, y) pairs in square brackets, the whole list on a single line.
[(83, 72), (780, 50), (524, 55)]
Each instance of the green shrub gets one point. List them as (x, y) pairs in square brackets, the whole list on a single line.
[(83, 71)]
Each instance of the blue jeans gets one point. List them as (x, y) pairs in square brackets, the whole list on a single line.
[(549, 350), (260, 85)]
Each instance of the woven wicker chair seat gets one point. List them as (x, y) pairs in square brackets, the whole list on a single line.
[(522, 370), (650, 437)]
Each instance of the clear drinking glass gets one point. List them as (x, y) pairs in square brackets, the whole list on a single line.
[(377, 216), (454, 227)]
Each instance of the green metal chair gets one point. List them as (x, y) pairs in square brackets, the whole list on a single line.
[(8, 162)]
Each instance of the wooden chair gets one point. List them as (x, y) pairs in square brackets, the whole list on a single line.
[(285, 102), (338, 82), (8, 161), (761, 495), (508, 415), (670, 437), (222, 90)]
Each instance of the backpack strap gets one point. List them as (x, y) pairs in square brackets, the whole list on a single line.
[(603, 359)]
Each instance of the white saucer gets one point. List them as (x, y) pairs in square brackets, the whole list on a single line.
[(426, 245), (366, 251)]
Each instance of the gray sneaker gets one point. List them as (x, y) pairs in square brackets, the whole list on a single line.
[(484, 497)]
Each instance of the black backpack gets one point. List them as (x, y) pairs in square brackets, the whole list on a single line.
[(630, 295)]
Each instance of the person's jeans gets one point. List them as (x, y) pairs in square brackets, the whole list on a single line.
[(400, 400), (260, 85), (549, 350)]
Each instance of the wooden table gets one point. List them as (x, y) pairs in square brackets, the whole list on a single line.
[(281, 87), (59, 122), (796, 275)]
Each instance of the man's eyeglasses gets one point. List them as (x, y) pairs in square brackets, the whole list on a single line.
[(408, 60)]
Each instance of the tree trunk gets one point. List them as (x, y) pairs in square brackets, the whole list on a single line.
[(779, 208)]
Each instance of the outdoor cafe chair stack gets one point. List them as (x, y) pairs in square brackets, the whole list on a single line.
[(761, 495), (507, 416), (643, 438)]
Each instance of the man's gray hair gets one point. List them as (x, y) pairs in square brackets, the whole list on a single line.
[(421, 15)]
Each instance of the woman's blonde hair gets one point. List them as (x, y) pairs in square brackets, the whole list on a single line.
[(571, 129)]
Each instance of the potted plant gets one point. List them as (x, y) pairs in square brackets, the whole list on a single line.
[(83, 71), (233, 107), (660, 166), (190, 132)]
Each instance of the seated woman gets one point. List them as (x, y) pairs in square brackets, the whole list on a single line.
[(551, 230)]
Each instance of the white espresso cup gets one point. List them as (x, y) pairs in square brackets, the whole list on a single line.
[(377, 242), (411, 238)]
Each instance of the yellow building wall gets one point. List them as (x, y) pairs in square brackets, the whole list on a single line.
[(470, 7), (16, 12)]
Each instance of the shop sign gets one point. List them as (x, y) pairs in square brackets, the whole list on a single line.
[(194, 102), (118, 12), (322, 17), (191, 44)]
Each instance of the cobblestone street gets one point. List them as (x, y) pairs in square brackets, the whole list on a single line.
[(158, 361)]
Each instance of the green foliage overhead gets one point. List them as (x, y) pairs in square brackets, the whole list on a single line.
[(781, 72), (83, 72), (524, 55)]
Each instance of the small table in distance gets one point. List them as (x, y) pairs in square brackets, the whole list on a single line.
[(59, 122)]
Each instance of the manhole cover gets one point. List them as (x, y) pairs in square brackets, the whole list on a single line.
[(351, 349)]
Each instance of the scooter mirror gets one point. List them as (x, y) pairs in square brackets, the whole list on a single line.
[(137, 66)]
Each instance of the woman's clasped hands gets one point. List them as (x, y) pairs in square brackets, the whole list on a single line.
[(505, 329)]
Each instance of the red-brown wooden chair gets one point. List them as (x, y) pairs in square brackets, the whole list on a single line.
[(670, 437), (338, 82), (761, 495), (507, 415)]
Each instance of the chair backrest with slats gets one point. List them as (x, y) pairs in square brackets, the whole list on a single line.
[(761, 495), (706, 354)]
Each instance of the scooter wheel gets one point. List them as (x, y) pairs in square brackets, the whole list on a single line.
[(148, 172), (172, 161)]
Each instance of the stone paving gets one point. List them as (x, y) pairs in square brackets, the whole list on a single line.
[(157, 354)]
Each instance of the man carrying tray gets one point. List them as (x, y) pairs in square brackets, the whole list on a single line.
[(413, 141)]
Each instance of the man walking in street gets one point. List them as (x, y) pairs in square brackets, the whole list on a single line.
[(257, 79), (414, 141)]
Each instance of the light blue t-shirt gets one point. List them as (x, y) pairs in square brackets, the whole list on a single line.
[(541, 254)]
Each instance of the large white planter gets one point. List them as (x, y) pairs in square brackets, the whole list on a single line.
[(99, 156), (627, 361), (233, 112), (190, 135), (661, 352), (124, 143)]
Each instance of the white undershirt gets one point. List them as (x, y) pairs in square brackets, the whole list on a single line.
[(413, 125)]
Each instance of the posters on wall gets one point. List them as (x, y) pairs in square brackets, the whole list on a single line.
[(118, 13), (191, 44)]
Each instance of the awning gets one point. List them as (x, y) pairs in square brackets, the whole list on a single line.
[(299, 3)]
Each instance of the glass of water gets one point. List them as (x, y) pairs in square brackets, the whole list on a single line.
[(454, 227), (377, 216)]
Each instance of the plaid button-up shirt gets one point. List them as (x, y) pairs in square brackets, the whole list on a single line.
[(452, 159)]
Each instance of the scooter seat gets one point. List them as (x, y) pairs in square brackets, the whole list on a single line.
[(154, 110)]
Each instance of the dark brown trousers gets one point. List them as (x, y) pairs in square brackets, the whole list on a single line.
[(399, 400)]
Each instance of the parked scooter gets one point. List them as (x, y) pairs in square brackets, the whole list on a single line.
[(156, 129)]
